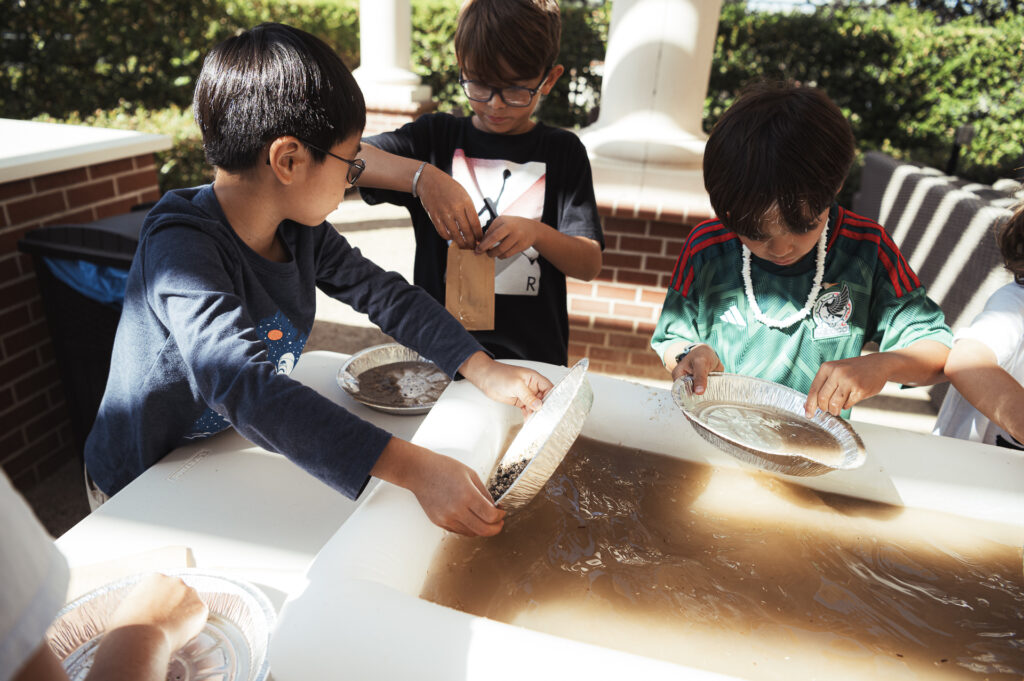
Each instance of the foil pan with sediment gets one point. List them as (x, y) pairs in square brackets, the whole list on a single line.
[(541, 444), (763, 423), (393, 379)]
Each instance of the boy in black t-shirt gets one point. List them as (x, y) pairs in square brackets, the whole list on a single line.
[(523, 192)]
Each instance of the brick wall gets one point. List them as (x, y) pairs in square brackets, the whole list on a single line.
[(385, 119), (611, 319), (35, 433)]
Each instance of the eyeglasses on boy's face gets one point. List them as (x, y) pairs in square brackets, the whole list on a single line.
[(514, 95), (355, 166)]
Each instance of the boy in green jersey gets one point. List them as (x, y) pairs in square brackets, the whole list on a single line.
[(785, 284)]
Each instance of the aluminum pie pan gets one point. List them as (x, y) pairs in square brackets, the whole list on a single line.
[(382, 355), (763, 423), (231, 647), (546, 437)]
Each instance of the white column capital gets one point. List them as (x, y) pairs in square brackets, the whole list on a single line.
[(385, 35), (656, 74)]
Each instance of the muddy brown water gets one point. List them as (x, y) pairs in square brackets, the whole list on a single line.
[(745, 574)]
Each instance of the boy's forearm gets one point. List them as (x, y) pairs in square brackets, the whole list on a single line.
[(43, 665), (134, 652), (385, 170), (399, 463), (973, 370), (918, 364), (476, 363), (575, 256)]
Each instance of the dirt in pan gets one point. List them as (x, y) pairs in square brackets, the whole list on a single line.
[(403, 384), (504, 476)]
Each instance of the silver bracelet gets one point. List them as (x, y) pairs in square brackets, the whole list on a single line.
[(416, 179), (687, 350)]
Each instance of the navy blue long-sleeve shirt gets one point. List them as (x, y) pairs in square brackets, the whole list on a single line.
[(210, 330)]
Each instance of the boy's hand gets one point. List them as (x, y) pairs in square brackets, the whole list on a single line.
[(449, 207), (509, 235), (166, 604), (698, 363), (842, 383), (450, 492), (453, 497), (519, 386)]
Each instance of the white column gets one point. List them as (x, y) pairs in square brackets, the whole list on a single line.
[(385, 35), (656, 74)]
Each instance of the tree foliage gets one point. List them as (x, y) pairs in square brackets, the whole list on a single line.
[(984, 11), (907, 77)]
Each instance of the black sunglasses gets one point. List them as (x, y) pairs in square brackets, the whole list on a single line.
[(355, 166)]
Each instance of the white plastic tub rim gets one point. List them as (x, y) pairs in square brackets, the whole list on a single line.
[(360, 617)]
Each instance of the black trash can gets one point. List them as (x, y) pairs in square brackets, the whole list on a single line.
[(83, 318)]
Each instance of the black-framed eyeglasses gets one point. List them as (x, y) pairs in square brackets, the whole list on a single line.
[(356, 166), (514, 95)]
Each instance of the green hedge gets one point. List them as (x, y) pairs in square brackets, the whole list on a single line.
[(906, 79), (65, 56)]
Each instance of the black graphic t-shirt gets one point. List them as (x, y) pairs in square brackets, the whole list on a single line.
[(544, 175)]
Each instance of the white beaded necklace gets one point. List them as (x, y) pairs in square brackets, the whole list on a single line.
[(792, 319)]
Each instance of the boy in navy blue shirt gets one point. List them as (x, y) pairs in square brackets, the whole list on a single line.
[(221, 295)]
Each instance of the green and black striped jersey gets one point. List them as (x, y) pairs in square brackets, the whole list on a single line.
[(868, 293)]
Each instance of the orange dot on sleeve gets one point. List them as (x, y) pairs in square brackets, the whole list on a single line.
[(274, 334)]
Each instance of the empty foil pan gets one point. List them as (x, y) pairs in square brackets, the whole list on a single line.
[(763, 423), (404, 382), (543, 441), (231, 647)]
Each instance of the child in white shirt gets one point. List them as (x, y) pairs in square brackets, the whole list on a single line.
[(986, 364)]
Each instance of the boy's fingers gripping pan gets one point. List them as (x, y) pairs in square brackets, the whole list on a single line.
[(542, 443), (763, 423)]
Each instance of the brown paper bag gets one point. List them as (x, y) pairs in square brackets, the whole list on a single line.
[(469, 288)]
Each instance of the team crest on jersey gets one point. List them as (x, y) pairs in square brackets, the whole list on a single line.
[(831, 313)]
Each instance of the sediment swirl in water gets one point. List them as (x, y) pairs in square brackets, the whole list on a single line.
[(744, 574)]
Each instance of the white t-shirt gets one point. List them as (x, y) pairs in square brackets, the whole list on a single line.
[(33, 581), (1000, 326)]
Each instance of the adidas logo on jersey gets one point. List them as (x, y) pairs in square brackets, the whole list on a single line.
[(733, 316)]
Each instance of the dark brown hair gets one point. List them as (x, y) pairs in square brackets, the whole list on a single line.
[(500, 41), (780, 150), (1010, 237), (269, 81)]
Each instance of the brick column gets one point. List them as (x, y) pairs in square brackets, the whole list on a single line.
[(35, 434), (611, 319)]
